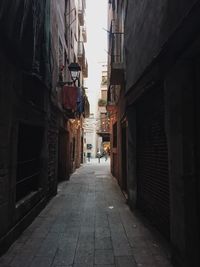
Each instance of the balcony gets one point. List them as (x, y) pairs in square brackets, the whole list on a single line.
[(81, 12), (84, 33), (82, 59), (103, 129), (85, 69), (116, 58), (113, 97), (81, 53)]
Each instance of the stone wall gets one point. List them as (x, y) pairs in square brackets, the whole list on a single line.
[(16, 108)]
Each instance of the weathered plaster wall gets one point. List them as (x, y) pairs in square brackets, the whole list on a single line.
[(149, 24)]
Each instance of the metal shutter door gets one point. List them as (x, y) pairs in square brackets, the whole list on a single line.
[(152, 160)]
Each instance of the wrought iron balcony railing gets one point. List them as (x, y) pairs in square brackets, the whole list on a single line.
[(82, 59), (116, 61), (81, 12), (117, 47)]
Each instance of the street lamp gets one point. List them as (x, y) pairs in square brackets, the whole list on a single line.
[(75, 69)]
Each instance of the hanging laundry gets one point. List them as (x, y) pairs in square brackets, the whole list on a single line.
[(80, 100), (70, 95)]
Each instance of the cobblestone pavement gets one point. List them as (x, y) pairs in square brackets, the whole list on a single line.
[(88, 224)]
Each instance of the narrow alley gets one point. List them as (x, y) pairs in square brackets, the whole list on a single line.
[(115, 81), (88, 223)]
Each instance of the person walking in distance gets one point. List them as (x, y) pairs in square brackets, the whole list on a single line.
[(106, 155), (99, 156)]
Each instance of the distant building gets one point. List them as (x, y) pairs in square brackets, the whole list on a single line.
[(90, 137), (103, 120)]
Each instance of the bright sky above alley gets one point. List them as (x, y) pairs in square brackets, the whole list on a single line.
[(96, 46)]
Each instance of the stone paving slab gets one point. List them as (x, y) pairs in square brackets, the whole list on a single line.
[(104, 256), (87, 224)]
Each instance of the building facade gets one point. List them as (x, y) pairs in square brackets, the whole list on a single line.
[(103, 121), (39, 136), (68, 38), (24, 94), (161, 48), (116, 92), (97, 134), (90, 137)]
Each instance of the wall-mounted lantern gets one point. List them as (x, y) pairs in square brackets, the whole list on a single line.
[(75, 70)]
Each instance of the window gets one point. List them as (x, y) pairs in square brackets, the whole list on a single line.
[(28, 160), (89, 146), (115, 135)]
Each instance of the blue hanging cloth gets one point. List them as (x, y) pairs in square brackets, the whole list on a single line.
[(80, 101)]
